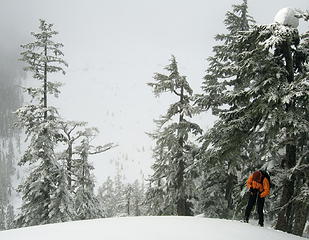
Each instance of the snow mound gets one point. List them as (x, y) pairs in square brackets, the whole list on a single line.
[(148, 228), (286, 17)]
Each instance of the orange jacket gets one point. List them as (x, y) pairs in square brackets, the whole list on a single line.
[(263, 187)]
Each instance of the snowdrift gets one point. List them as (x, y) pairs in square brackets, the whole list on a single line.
[(148, 228)]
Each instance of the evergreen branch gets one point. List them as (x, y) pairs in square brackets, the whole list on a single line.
[(101, 149)]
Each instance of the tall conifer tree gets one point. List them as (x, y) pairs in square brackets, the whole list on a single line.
[(224, 169), (173, 151), (86, 203), (40, 121)]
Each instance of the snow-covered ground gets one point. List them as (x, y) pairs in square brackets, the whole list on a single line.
[(148, 228)]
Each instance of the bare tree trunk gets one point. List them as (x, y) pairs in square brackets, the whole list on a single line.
[(129, 200), (183, 208), (300, 217), (181, 198), (181, 201), (300, 207), (45, 82), (69, 164), (230, 182)]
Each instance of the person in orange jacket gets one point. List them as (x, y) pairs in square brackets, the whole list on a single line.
[(259, 187)]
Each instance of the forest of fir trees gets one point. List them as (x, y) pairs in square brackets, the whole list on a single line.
[(60, 184), (256, 84)]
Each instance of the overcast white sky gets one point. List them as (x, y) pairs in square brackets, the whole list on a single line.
[(113, 49)]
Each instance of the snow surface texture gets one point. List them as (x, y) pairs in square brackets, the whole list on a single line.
[(148, 228), (286, 17)]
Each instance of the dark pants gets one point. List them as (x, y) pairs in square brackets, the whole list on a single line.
[(254, 198)]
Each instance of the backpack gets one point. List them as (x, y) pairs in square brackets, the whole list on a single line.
[(266, 175)]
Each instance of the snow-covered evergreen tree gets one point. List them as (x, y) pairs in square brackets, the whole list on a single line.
[(128, 197), (39, 187), (60, 186), (43, 57), (224, 171), (268, 108), (2, 217), (119, 189), (7, 171), (222, 71), (118, 198), (134, 199), (86, 203), (71, 132), (138, 193), (172, 180), (9, 217), (155, 200), (62, 208), (4, 181), (107, 198), (279, 108), (40, 122)]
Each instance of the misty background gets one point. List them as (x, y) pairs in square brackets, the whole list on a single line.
[(113, 49)]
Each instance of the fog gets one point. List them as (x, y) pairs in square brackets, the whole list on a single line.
[(113, 48)]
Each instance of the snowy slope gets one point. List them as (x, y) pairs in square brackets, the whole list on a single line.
[(148, 228)]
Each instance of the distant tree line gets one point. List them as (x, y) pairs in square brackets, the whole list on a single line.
[(11, 99), (118, 198)]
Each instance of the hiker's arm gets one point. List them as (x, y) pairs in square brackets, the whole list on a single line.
[(266, 188), (249, 182)]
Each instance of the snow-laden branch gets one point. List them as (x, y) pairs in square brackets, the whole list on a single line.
[(104, 148)]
